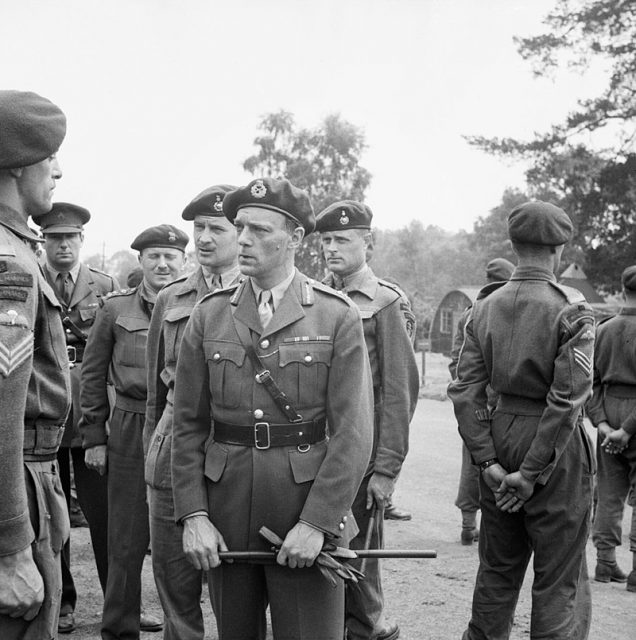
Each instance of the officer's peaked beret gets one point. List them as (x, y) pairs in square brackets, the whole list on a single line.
[(539, 223), (31, 128), (276, 195), (63, 218), (346, 214), (163, 235), (208, 203)]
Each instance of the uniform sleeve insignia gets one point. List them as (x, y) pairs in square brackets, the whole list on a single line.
[(258, 190), (344, 218), (588, 335), (218, 205), (12, 357), (583, 360)]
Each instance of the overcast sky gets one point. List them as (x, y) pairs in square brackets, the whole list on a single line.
[(163, 97)]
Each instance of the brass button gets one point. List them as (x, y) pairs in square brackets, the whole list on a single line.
[(308, 358), (341, 526), (344, 518), (264, 344), (216, 356), (68, 331), (258, 414)]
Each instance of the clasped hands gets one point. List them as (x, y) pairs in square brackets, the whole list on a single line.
[(613, 440), (512, 490)]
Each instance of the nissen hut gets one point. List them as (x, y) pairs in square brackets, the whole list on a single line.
[(446, 317)]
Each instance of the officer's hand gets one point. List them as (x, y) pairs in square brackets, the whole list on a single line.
[(493, 476), (616, 441), (380, 490), (604, 429), (301, 546), (96, 458), (514, 492), (202, 542), (21, 586)]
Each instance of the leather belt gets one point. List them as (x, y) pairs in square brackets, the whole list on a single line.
[(264, 435), (75, 353)]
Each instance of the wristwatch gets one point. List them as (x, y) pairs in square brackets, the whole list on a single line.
[(487, 463)]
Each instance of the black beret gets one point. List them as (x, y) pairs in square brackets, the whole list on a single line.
[(31, 128), (63, 218), (163, 235), (208, 203), (346, 214), (499, 269), (539, 223), (628, 278), (277, 195)]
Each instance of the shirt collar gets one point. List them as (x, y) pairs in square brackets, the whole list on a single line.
[(74, 272), (226, 277), (278, 291)]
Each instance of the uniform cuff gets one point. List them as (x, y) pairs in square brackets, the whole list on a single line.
[(93, 435), (16, 534)]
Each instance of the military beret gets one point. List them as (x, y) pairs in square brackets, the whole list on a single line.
[(276, 195), (346, 214), (539, 223), (63, 218), (499, 269), (31, 128), (163, 235), (628, 278), (208, 203)]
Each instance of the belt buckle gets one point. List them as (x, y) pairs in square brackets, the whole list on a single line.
[(71, 352), (261, 378), (256, 435)]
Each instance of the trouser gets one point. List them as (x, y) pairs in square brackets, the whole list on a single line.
[(49, 519), (92, 495), (128, 527), (303, 604), (554, 525), (616, 477), (364, 601), (468, 490), (179, 584)]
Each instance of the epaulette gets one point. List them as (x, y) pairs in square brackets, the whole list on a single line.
[(101, 273), (604, 320), (182, 278), (484, 292), (572, 295), (394, 287), (120, 292), (325, 288)]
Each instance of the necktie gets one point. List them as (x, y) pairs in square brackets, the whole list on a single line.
[(265, 311), (215, 282), (64, 285)]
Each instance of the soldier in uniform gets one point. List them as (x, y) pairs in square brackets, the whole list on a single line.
[(242, 459), (80, 290), (178, 581), (388, 323), (467, 501), (116, 352), (532, 340), (612, 411), (35, 392)]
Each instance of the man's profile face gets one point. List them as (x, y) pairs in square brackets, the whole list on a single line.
[(344, 251), (161, 265), (63, 249), (215, 243), (36, 184)]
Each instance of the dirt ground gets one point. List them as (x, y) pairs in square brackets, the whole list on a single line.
[(429, 598)]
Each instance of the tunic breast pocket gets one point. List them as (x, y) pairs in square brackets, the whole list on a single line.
[(305, 371), (87, 316), (130, 348), (226, 371), (175, 324)]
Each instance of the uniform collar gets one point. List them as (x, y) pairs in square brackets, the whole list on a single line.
[(74, 272), (227, 277), (533, 273), (13, 221), (362, 281)]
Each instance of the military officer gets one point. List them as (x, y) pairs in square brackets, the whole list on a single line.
[(80, 291), (34, 375), (116, 351), (388, 323), (532, 340), (612, 411), (178, 581), (242, 459), (467, 501)]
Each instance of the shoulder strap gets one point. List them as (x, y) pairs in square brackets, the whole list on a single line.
[(263, 374)]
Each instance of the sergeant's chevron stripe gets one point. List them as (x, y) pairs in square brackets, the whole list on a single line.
[(582, 360), (12, 358)]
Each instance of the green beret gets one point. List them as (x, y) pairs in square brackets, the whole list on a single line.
[(539, 223), (346, 214), (628, 278), (63, 218), (499, 269), (163, 235), (208, 203), (31, 128), (276, 195)]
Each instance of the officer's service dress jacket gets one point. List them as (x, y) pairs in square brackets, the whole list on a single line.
[(315, 350)]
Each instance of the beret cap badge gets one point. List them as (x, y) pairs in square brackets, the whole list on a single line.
[(344, 218), (171, 237), (218, 205), (258, 190)]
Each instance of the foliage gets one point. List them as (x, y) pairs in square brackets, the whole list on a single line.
[(324, 161), (119, 265)]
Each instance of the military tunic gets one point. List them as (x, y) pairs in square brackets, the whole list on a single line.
[(116, 353), (315, 349), (614, 401), (35, 400), (532, 340)]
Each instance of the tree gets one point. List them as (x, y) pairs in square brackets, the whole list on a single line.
[(119, 265), (324, 161)]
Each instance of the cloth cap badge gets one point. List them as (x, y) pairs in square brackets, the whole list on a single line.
[(218, 205), (172, 237), (258, 190), (344, 218)]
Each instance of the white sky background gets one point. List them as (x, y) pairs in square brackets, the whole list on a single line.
[(163, 97)]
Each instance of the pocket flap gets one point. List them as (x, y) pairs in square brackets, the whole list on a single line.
[(307, 353), (306, 464), (218, 350), (132, 323), (177, 313), (87, 314), (215, 460)]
